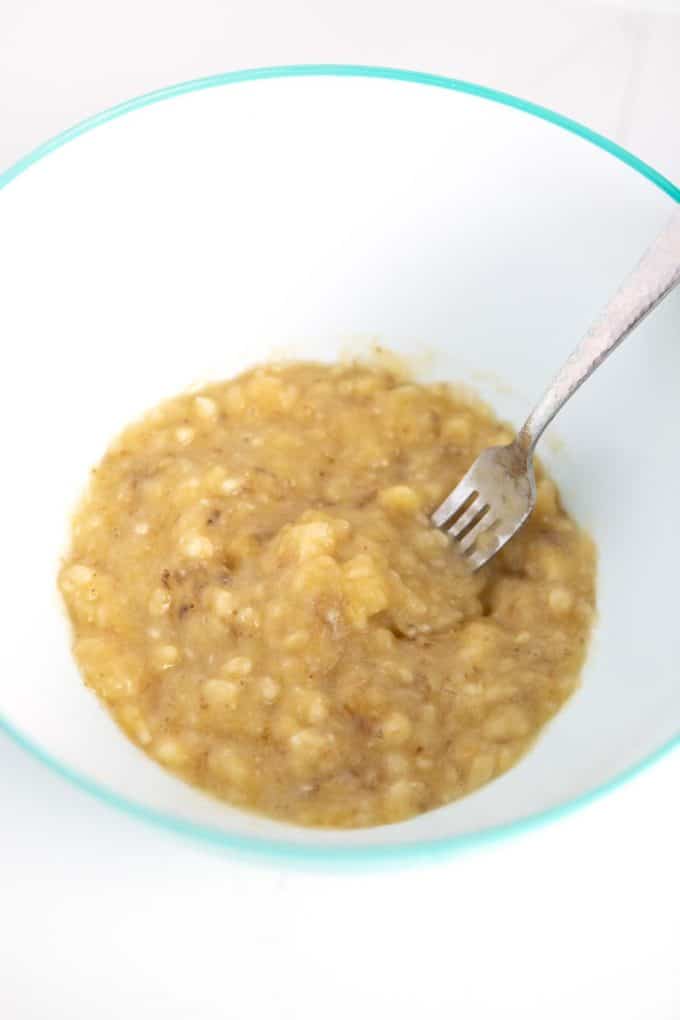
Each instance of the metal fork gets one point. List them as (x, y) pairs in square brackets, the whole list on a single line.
[(493, 500)]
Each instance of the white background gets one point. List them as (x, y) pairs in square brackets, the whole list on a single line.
[(615, 67), (103, 917)]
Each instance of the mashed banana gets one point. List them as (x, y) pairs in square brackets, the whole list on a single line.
[(258, 597)]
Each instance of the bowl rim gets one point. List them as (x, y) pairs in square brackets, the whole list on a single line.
[(280, 850)]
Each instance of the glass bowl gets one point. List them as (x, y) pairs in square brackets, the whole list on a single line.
[(308, 211)]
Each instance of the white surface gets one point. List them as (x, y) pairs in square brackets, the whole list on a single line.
[(104, 917), (614, 67)]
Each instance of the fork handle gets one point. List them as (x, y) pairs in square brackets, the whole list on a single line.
[(651, 281)]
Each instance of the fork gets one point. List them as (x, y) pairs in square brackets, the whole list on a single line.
[(493, 500)]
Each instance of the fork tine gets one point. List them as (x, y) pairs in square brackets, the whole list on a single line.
[(477, 558), (469, 540), (490, 503), (453, 502), (468, 517)]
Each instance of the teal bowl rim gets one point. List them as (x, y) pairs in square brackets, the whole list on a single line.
[(282, 851)]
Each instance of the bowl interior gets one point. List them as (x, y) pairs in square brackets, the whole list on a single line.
[(309, 217)]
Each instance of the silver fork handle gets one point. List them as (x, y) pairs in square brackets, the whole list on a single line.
[(651, 281)]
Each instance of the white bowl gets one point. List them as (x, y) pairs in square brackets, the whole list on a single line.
[(293, 210)]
